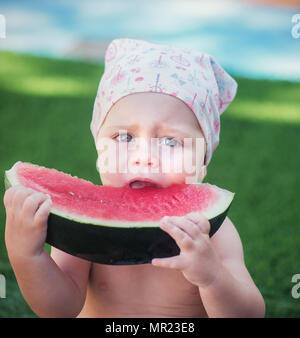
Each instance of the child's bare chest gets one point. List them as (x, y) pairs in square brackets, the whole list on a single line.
[(141, 291)]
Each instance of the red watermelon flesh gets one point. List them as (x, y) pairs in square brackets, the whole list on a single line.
[(117, 226), (73, 197)]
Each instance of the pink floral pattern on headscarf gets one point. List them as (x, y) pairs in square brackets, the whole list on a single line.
[(133, 66)]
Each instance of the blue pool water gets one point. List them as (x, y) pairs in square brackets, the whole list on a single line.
[(247, 39)]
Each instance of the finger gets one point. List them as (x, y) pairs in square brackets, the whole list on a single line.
[(9, 194), (200, 220), (183, 240), (42, 214), (32, 203), (170, 262), (7, 197), (19, 196), (189, 227)]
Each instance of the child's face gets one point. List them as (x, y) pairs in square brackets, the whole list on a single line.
[(159, 145)]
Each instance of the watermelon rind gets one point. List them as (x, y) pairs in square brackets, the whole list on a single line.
[(225, 199), (116, 242)]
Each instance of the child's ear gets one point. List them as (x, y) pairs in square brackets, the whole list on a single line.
[(202, 174)]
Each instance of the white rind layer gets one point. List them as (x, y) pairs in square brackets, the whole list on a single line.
[(225, 199)]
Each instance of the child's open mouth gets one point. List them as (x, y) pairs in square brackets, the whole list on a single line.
[(137, 184)]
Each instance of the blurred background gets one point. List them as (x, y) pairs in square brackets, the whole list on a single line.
[(250, 38), (51, 62)]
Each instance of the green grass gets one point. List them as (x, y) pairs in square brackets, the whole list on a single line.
[(45, 112)]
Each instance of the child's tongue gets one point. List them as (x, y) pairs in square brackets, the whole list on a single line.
[(140, 184)]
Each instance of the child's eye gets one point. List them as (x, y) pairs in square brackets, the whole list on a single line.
[(123, 137), (170, 141)]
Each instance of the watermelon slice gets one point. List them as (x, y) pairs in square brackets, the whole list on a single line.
[(110, 225)]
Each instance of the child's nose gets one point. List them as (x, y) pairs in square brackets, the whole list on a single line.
[(146, 154)]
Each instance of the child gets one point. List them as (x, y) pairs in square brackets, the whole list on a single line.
[(148, 91)]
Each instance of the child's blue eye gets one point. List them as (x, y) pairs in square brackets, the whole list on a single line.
[(123, 137), (171, 141)]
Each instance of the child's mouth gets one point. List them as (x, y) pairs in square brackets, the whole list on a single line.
[(137, 184)]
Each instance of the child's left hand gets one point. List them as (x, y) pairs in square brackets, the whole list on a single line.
[(197, 260)]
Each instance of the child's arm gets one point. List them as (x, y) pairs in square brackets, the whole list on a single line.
[(49, 291), (233, 292), (216, 265)]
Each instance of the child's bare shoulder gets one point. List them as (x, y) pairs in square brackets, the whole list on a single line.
[(229, 247), (227, 241)]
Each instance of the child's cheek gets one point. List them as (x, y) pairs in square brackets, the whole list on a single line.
[(106, 156), (185, 164), (121, 157), (109, 163), (171, 160)]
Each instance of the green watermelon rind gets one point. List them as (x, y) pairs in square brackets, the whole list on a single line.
[(217, 209), (112, 244)]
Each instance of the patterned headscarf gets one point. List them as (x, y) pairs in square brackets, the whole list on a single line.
[(134, 66)]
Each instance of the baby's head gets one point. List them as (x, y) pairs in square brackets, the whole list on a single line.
[(157, 113)]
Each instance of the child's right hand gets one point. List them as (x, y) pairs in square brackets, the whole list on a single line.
[(27, 213)]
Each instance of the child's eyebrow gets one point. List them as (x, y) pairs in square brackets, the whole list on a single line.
[(160, 127)]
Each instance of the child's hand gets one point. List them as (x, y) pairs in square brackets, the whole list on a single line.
[(197, 260), (27, 213)]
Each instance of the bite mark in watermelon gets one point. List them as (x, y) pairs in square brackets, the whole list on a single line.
[(112, 225)]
